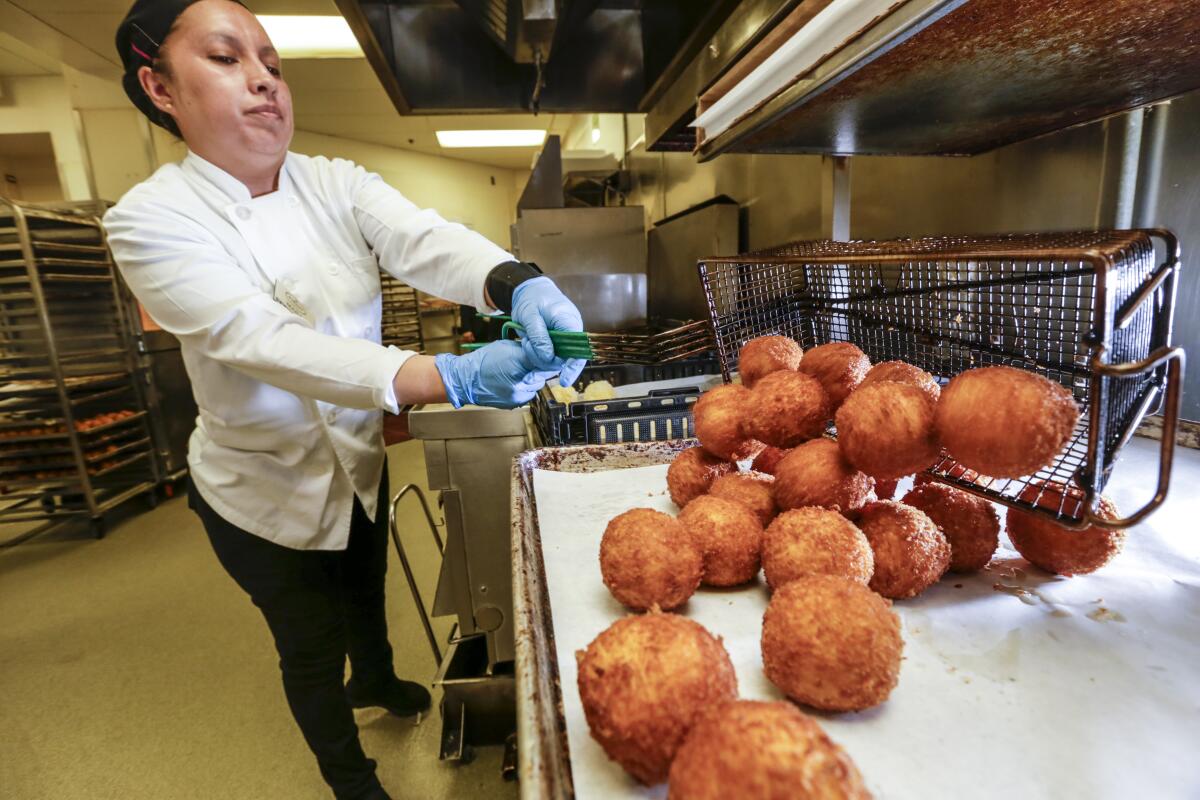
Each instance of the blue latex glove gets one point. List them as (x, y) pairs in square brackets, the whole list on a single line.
[(499, 375), (540, 307)]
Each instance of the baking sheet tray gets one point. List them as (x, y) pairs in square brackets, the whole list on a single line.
[(1014, 683)]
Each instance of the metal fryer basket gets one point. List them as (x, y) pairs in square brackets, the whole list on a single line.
[(1089, 310)]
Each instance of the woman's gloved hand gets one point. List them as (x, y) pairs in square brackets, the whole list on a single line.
[(539, 306), (499, 375)]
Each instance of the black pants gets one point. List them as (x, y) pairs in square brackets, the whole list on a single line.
[(321, 606)]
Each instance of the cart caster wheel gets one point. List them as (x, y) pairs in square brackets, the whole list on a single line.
[(169, 490), (48, 503), (152, 499), (468, 754), (98, 528)]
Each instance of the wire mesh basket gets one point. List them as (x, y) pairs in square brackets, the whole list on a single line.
[(1091, 311)]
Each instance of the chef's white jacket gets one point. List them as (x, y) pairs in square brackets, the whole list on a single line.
[(276, 303)]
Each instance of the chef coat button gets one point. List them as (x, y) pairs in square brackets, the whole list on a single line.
[(370, 330), (243, 213), (293, 200), (331, 416), (334, 269)]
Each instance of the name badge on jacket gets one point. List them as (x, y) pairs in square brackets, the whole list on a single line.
[(285, 298)]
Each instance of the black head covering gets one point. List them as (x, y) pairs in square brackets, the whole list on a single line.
[(139, 38)]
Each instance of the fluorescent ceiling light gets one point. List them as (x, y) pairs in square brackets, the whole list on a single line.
[(311, 37), (505, 138)]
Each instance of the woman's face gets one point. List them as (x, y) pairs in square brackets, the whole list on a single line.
[(223, 86)]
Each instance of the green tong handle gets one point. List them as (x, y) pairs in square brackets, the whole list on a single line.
[(567, 344)]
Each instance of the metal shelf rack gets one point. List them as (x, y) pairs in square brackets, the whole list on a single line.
[(74, 433), (401, 323)]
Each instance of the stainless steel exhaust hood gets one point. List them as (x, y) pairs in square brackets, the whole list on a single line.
[(480, 56)]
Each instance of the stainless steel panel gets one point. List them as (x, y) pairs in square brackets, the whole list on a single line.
[(607, 302), (443, 421), (587, 241), (675, 245)]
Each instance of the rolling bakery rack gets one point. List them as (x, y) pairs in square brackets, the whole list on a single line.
[(74, 434), (401, 315), (1091, 311)]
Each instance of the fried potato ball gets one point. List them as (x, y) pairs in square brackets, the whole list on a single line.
[(831, 643), (718, 416), (766, 751), (765, 355), (787, 408), (911, 552), (816, 474), (648, 559), (750, 489), (1005, 422), (886, 430), (903, 372), (643, 682), (729, 536), (1060, 550), (767, 460), (692, 473), (815, 541), (839, 366), (970, 523)]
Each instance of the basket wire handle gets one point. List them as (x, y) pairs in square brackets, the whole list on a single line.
[(407, 567), (1175, 359)]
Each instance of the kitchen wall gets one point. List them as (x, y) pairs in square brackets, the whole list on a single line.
[(482, 197), (36, 176), (43, 104), (1069, 180), (103, 147)]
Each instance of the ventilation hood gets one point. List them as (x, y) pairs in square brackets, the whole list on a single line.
[(511, 56)]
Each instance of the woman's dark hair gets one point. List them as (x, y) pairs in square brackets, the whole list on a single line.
[(161, 66)]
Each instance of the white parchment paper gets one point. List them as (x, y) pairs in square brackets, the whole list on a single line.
[(1014, 683)]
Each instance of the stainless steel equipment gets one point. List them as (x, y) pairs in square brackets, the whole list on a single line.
[(76, 439), (454, 56), (676, 244), (468, 454), (596, 255)]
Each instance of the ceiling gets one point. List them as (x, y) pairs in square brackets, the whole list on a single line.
[(336, 97)]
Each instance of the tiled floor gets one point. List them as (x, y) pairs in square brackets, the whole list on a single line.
[(133, 667)]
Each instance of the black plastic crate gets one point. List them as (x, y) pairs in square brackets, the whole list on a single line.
[(658, 416)]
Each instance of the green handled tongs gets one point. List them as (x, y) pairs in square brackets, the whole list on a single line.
[(567, 344)]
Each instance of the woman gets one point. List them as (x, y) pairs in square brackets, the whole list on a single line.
[(265, 264)]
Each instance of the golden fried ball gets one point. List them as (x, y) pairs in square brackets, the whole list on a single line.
[(839, 366), (911, 552), (1060, 550), (692, 473), (750, 489), (831, 643), (767, 460), (766, 751), (970, 523), (903, 372), (718, 416), (730, 537), (787, 408), (644, 681), (1005, 422), (815, 541), (648, 559), (886, 430), (816, 474), (765, 355)]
